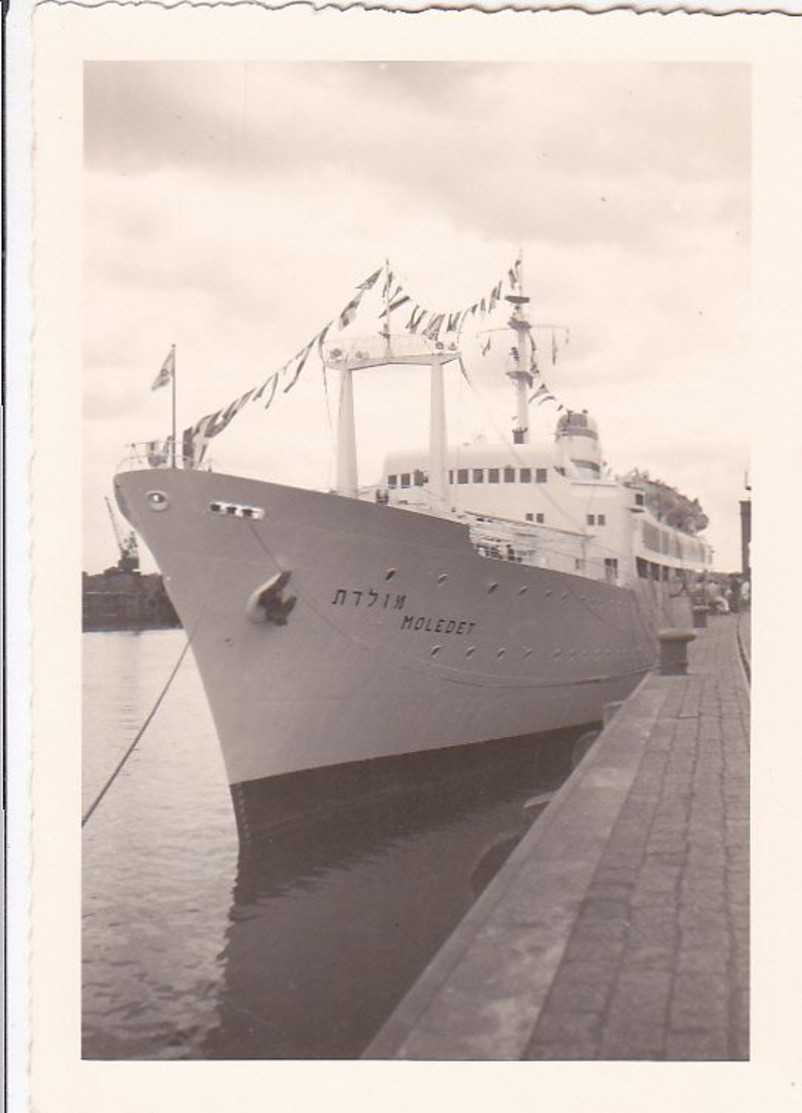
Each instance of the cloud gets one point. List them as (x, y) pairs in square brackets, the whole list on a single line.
[(232, 208)]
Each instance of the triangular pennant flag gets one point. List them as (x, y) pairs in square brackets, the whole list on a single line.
[(262, 388), (432, 330), (416, 318), (395, 303), (321, 336), (273, 380), (369, 282), (302, 357), (349, 313)]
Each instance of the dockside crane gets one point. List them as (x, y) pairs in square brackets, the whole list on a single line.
[(129, 552)]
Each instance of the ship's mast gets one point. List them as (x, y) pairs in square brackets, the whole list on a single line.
[(347, 476), (521, 359), (366, 354), (438, 463)]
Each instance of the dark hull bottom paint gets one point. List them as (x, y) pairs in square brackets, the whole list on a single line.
[(274, 806)]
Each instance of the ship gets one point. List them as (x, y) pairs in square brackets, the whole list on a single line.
[(358, 642), (122, 597)]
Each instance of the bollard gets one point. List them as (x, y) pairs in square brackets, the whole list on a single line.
[(674, 651), (700, 617)]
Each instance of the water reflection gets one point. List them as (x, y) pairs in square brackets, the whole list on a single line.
[(329, 926)]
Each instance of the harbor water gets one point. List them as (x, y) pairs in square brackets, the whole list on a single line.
[(189, 952)]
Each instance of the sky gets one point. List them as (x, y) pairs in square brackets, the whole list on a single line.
[(231, 209)]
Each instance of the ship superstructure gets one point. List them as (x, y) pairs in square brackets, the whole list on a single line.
[(353, 641)]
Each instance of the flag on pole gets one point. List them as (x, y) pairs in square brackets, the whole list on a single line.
[(167, 371)]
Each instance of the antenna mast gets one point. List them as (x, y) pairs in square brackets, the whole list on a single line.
[(521, 359)]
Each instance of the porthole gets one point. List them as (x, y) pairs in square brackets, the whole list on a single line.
[(157, 500)]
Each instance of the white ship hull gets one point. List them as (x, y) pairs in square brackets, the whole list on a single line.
[(402, 640)]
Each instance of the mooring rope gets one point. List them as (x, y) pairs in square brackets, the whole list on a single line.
[(141, 731)]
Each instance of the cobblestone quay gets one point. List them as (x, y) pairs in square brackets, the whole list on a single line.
[(618, 928)]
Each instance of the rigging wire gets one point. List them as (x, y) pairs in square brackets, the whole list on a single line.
[(121, 763)]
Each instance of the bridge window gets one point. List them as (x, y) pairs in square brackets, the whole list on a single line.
[(509, 475), (392, 480), (540, 518), (639, 498), (420, 478), (478, 475), (530, 517), (526, 475), (462, 475), (405, 479), (541, 475), (492, 475), (643, 568), (601, 520), (591, 519)]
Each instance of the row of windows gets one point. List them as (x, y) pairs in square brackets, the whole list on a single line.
[(473, 475), (416, 478), (660, 541), (648, 570), (597, 520)]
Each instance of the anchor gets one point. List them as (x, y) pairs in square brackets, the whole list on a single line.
[(267, 603)]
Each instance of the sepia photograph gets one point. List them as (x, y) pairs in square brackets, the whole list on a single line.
[(416, 581), (411, 687)]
